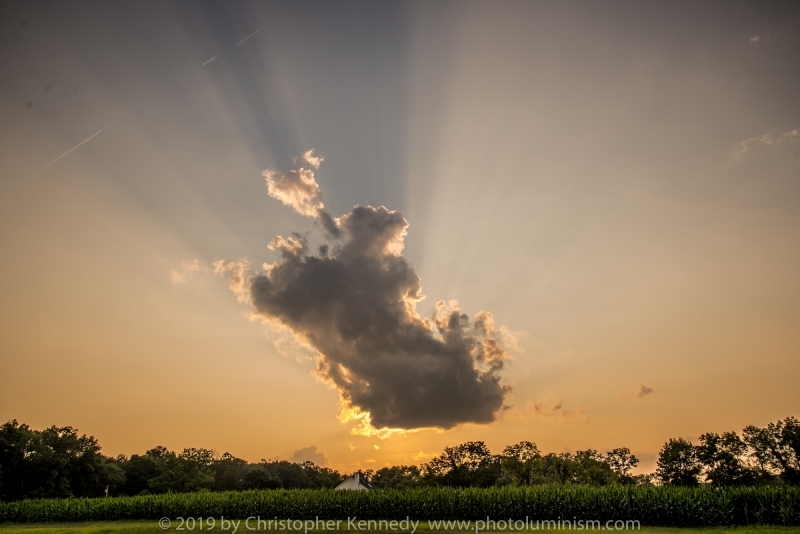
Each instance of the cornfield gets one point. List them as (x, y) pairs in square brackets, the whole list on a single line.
[(656, 506)]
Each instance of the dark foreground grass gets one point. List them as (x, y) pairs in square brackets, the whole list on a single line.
[(650, 506), (152, 527)]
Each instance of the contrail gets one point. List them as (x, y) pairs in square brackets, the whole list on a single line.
[(255, 32), (98, 132), (206, 62)]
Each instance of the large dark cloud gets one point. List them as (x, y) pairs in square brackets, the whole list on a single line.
[(355, 303)]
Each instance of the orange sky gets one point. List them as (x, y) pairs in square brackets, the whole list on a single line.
[(619, 187)]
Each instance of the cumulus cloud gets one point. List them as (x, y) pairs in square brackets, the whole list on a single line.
[(310, 454), (643, 391), (355, 304), (298, 189)]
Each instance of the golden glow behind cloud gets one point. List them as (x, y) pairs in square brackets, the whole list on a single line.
[(355, 303), (619, 187)]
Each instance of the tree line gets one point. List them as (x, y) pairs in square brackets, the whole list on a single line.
[(760, 456), (58, 462)]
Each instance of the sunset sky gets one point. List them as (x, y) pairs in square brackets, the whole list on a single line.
[(616, 183)]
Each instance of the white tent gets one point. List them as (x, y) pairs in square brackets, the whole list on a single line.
[(354, 483)]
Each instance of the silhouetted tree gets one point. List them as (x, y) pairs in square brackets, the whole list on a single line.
[(324, 477), (140, 469), (776, 449), (54, 462), (723, 459), (517, 462), (397, 477), (16, 445), (621, 461), (258, 477), (592, 469), (187, 472), (229, 473), (678, 464), (468, 464)]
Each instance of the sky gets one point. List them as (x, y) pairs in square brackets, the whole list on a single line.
[(358, 232)]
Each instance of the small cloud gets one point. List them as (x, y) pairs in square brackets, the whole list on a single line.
[(620, 397), (296, 187), (422, 456), (351, 445), (769, 37), (182, 273), (377, 447), (643, 391), (766, 139), (578, 411), (544, 408), (310, 454)]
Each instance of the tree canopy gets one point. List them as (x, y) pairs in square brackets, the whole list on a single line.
[(60, 462)]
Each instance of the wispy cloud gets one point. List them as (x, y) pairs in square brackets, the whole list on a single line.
[(766, 139), (541, 408), (206, 62), (768, 37), (182, 273), (254, 33), (578, 411), (98, 132), (545, 410)]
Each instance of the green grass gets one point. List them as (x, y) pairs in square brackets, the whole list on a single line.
[(151, 527), (662, 506)]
